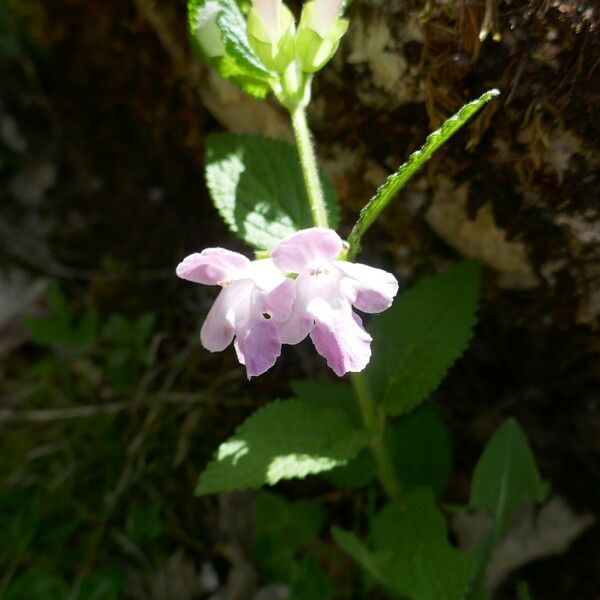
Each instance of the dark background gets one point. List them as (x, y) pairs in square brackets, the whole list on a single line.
[(107, 418)]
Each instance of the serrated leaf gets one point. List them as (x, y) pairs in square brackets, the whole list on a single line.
[(241, 64), (416, 160), (257, 186), (283, 440), (295, 522), (228, 68), (359, 472), (418, 339), (506, 476), (283, 529), (326, 393), (421, 450), (232, 24), (408, 551)]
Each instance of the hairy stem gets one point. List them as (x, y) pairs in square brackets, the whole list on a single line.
[(310, 171), (374, 418)]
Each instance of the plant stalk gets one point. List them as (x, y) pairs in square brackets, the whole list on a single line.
[(374, 418), (310, 171)]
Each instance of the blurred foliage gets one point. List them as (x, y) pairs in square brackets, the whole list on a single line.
[(286, 539), (76, 517)]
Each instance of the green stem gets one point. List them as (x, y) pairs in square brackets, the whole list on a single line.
[(375, 420), (310, 171)]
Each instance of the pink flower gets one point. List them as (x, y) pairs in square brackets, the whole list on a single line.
[(326, 291), (256, 296)]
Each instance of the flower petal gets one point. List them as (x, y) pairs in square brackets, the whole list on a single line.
[(218, 328), (368, 289), (339, 337), (269, 13), (257, 345), (265, 274), (278, 302), (307, 249), (299, 323), (323, 14), (213, 266)]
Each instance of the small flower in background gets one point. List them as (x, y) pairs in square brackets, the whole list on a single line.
[(255, 297), (326, 291), (271, 32)]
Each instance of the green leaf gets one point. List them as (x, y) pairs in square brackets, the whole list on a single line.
[(328, 394), (409, 553), (103, 583), (228, 68), (283, 440), (37, 584), (241, 64), (257, 186), (421, 450), (418, 339), (232, 24), (295, 522), (283, 530), (506, 476), (60, 327), (416, 160), (359, 472), (368, 560)]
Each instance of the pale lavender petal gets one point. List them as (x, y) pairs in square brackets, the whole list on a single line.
[(278, 302), (299, 323), (307, 250), (213, 266), (323, 14), (219, 327), (339, 338), (265, 274), (269, 13), (368, 289), (257, 345)]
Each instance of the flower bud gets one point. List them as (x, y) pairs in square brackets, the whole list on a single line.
[(319, 34), (271, 33), (203, 22)]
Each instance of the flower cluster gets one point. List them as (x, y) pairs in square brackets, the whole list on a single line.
[(273, 35), (301, 290)]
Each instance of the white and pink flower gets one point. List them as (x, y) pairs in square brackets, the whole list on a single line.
[(327, 289), (261, 306), (255, 298)]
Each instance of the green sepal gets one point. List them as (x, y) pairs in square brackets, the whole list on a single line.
[(275, 55), (220, 40), (314, 51)]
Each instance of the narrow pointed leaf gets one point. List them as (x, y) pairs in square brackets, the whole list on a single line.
[(506, 475), (417, 159)]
